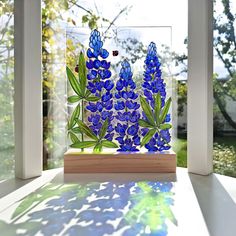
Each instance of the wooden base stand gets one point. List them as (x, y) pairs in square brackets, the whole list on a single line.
[(115, 162)]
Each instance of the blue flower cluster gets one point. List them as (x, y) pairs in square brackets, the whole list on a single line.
[(159, 142), (100, 85), (127, 111), (153, 84)]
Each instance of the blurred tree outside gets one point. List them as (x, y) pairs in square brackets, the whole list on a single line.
[(6, 89), (224, 89), (225, 48)]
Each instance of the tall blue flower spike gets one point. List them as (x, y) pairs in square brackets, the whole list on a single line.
[(100, 85), (126, 106), (153, 84)]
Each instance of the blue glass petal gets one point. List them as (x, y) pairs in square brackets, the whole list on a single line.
[(96, 64), (120, 140), (108, 85), (89, 53), (132, 130), (106, 97), (105, 64), (136, 140), (120, 105), (119, 85), (89, 64), (92, 107), (167, 119), (104, 53)]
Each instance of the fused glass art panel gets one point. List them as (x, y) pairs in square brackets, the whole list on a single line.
[(121, 94)]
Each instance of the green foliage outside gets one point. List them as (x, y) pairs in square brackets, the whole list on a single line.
[(6, 89), (224, 155)]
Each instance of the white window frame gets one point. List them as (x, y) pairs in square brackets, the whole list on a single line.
[(28, 88), (200, 88)]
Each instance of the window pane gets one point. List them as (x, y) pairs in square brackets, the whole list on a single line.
[(6, 89), (225, 87)]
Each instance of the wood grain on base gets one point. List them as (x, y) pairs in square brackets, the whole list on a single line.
[(142, 162)]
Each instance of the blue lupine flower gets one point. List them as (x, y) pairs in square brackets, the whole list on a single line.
[(120, 105), (168, 119), (133, 130), (127, 114), (136, 140), (94, 119), (120, 129), (99, 84), (92, 107), (108, 85), (153, 84)]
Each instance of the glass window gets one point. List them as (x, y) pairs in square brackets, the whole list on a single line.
[(224, 87), (6, 89)]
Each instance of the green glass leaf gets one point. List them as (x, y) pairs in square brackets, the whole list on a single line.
[(147, 137), (86, 130), (73, 81), (157, 107), (165, 110), (87, 93), (76, 130), (74, 138), (98, 148), (144, 123), (165, 126), (103, 129), (109, 144), (82, 73), (92, 99), (147, 110), (74, 117), (73, 99), (84, 144)]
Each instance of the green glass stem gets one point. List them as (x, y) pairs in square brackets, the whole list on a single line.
[(82, 118)]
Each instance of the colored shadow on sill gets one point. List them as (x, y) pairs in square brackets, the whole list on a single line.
[(94, 208)]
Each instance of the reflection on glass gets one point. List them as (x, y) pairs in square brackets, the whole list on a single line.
[(130, 208), (6, 89)]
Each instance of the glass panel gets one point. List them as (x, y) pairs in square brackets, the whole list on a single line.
[(6, 89), (54, 89), (153, 21), (225, 87), (129, 43)]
